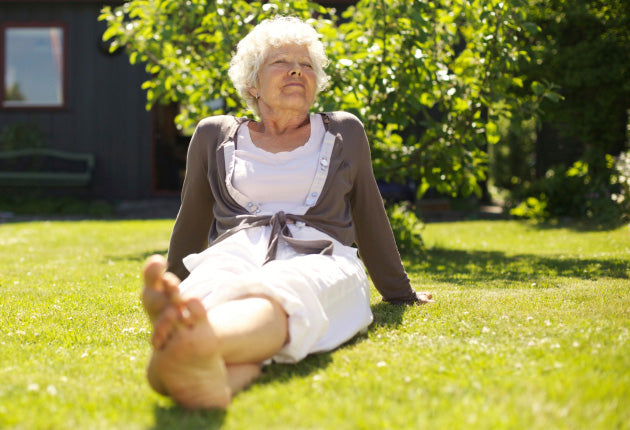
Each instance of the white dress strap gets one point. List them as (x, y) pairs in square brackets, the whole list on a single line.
[(228, 155), (314, 192), (322, 171)]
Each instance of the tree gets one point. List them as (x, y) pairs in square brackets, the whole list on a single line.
[(587, 54), (584, 48), (428, 78), (187, 46)]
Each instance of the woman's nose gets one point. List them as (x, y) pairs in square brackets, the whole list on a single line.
[(296, 70)]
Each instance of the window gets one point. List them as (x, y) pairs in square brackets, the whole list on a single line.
[(33, 66)]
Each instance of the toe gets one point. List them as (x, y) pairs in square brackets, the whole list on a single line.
[(164, 327), (171, 287), (154, 267), (193, 312), (196, 309)]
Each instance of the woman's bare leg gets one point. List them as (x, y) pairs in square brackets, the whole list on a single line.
[(241, 376), (201, 359), (251, 329)]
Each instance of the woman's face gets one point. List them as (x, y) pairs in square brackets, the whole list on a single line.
[(286, 80)]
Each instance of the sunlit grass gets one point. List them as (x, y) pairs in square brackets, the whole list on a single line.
[(530, 329)]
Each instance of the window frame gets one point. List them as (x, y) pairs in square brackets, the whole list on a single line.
[(64, 64)]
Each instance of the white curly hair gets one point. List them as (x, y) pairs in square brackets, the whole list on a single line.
[(252, 51)]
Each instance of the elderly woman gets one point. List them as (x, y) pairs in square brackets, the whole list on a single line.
[(280, 201)]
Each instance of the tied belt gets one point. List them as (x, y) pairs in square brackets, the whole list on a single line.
[(279, 228)]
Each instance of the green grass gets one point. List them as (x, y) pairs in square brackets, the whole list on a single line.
[(530, 330)]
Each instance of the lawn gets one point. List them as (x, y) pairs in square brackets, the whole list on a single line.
[(530, 330)]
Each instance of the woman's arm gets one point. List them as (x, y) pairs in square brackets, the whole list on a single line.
[(190, 233), (374, 237)]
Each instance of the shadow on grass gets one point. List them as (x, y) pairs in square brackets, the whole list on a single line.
[(447, 265), (174, 417), (387, 315), (279, 372), (578, 226), (136, 257)]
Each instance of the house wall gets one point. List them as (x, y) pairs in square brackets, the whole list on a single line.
[(105, 106)]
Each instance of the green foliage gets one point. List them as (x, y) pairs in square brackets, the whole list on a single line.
[(622, 167), (532, 208), (407, 229), (512, 159), (584, 48), (13, 92), (429, 79), (186, 47), (595, 190), (21, 136)]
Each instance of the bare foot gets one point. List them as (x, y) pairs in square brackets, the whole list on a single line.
[(189, 367), (160, 287)]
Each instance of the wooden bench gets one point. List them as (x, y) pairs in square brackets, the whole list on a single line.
[(43, 167)]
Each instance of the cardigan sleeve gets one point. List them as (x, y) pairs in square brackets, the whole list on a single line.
[(373, 233), (195, 216)]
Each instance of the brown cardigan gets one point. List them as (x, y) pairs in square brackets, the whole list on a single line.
[(350, 207)]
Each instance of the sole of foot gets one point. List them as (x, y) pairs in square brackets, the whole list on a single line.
[(189, 366)]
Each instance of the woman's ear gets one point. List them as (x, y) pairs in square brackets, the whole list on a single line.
[(253, 92)]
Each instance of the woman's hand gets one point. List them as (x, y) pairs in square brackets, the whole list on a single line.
[(414, 298), (424, 297)]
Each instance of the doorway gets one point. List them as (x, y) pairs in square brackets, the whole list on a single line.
[(169, 150)]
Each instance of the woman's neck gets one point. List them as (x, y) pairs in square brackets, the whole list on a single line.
[(278, 135), (279, 123)]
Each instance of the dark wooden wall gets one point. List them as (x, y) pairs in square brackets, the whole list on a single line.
[(104, 112)]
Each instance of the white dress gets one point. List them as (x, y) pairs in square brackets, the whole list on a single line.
[(326, 297)]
